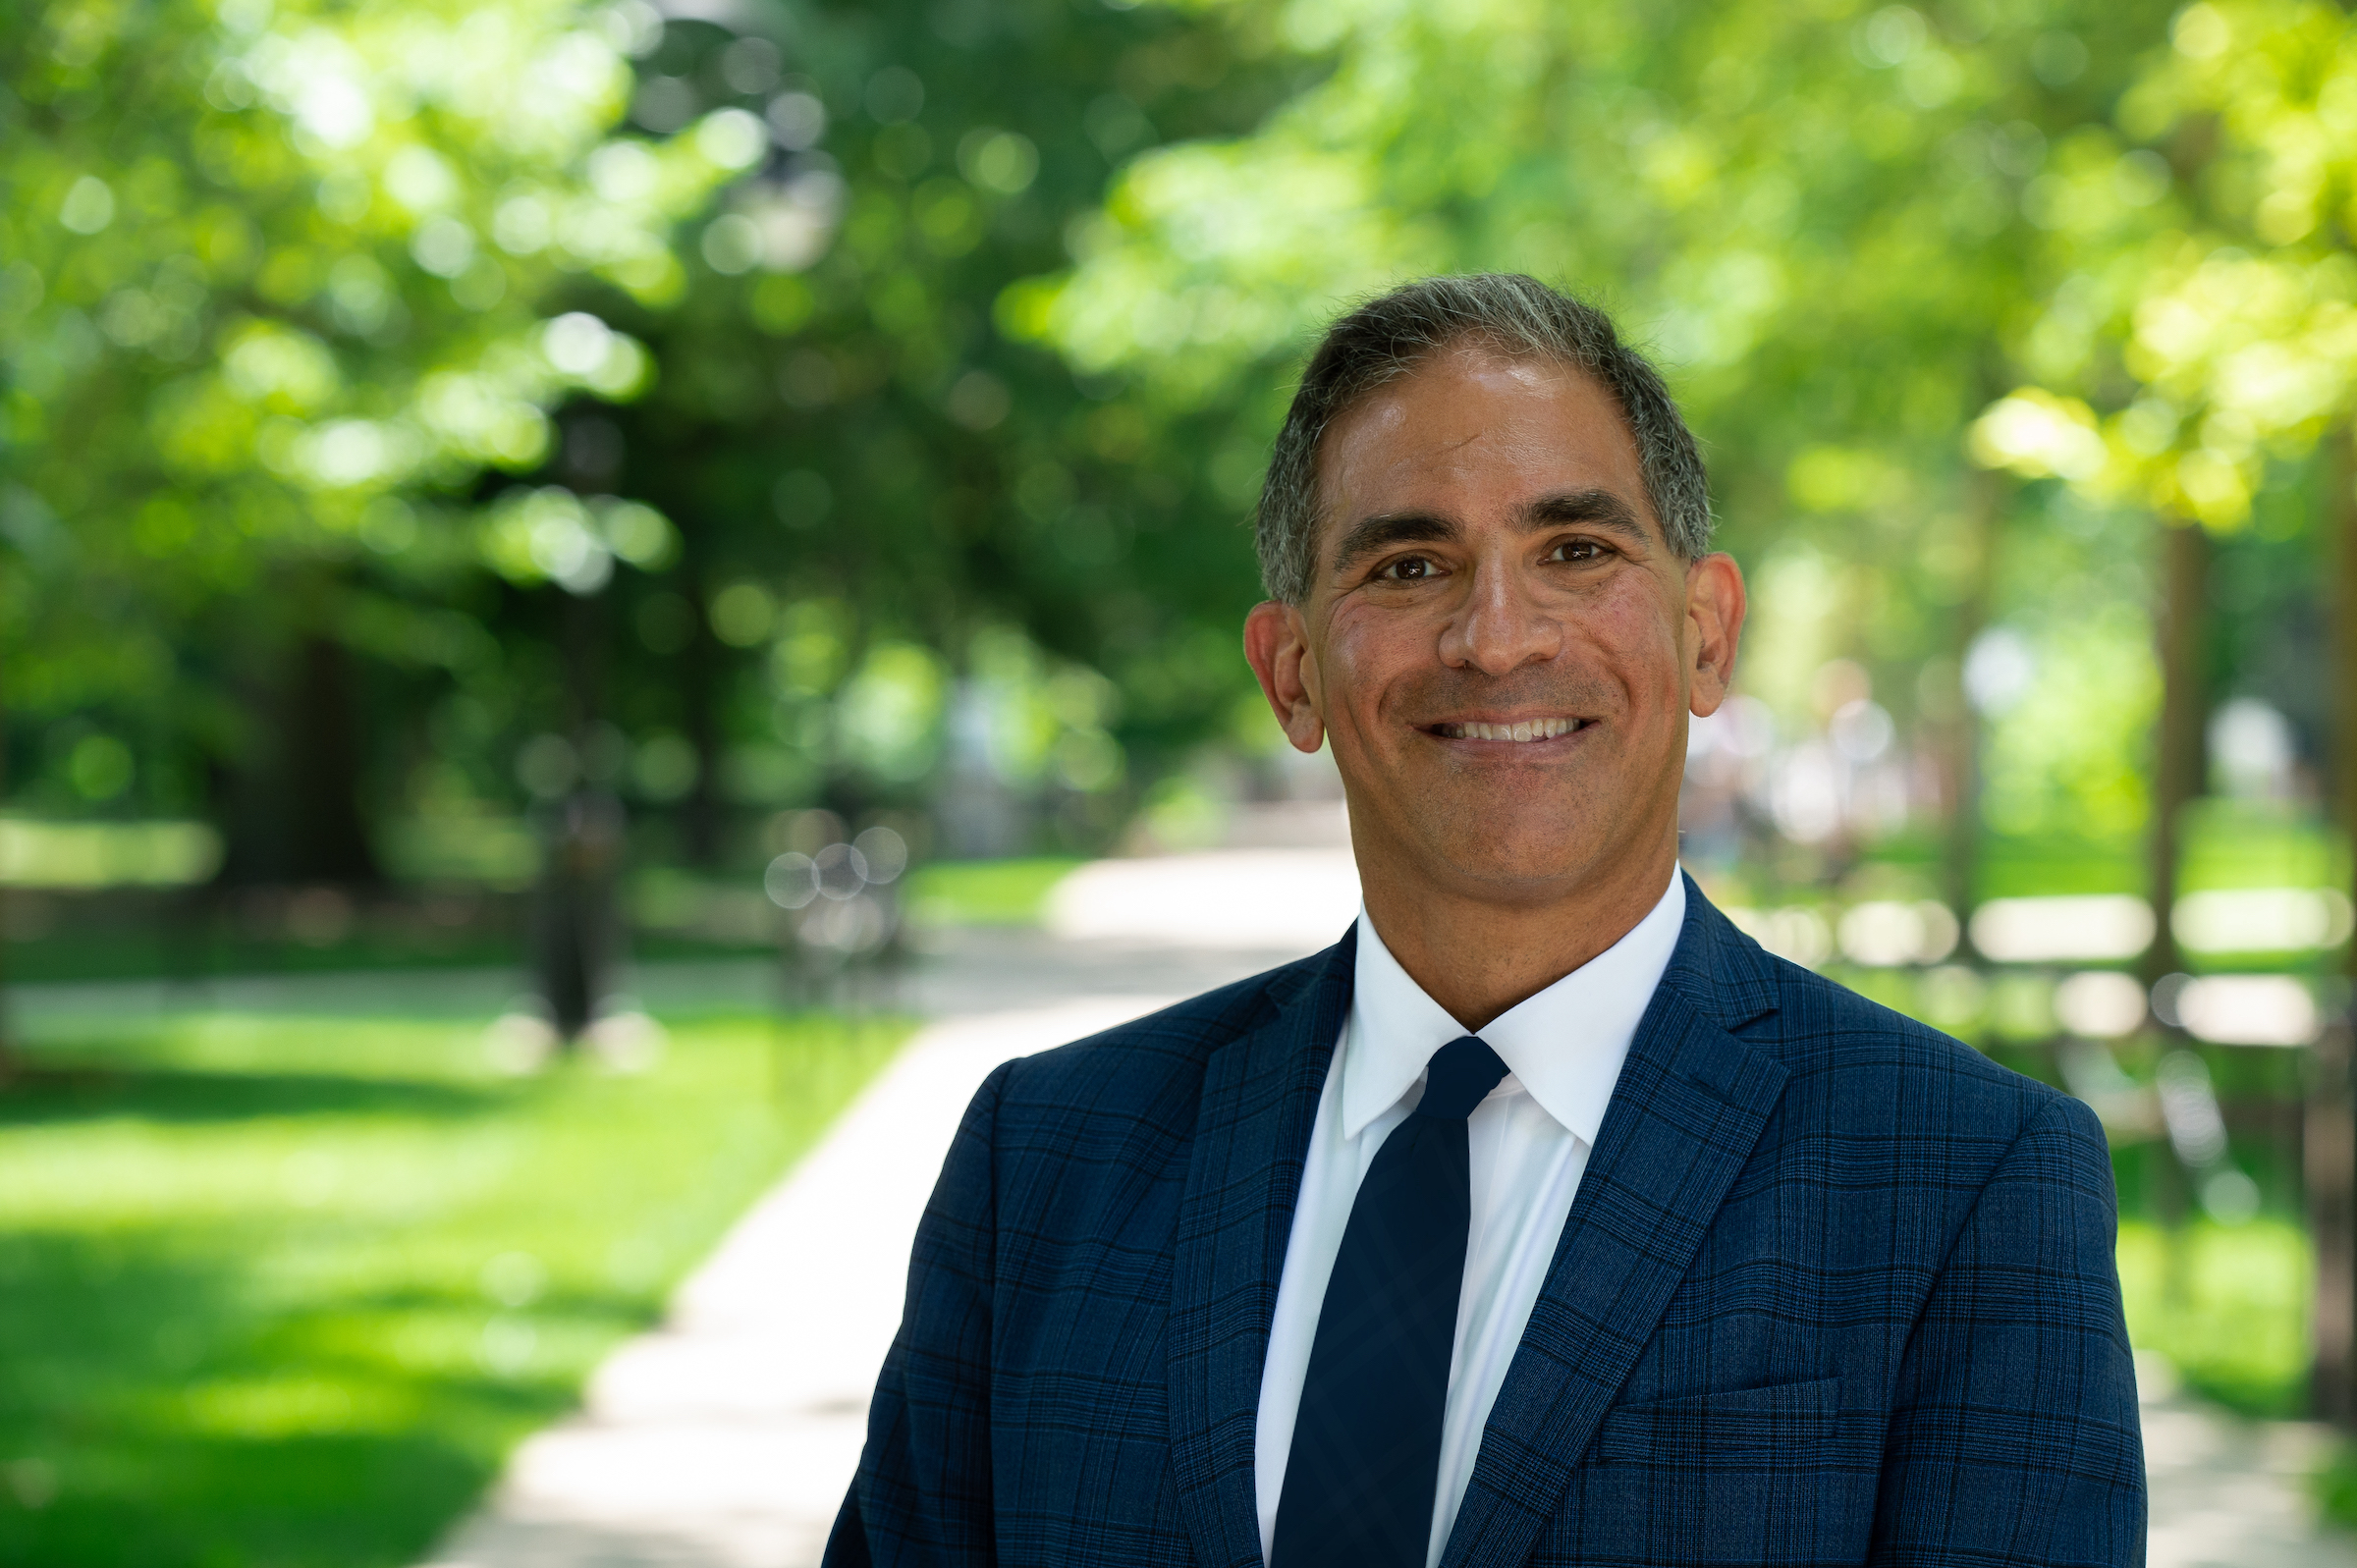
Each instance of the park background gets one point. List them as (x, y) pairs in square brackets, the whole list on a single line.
[(535, 490)]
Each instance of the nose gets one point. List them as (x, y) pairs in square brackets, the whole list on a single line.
[(1499, 627)]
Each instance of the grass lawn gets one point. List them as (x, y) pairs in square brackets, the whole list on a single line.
[(2227, 1305), (281, 1293), (986, 892)]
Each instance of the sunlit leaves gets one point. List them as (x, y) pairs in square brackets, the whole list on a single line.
[(549, 534), (271, 269), (2240, 327), (421, 171), (1846, 204), (888, 721), (2039, 436)]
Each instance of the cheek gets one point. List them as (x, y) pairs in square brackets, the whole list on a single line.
[(1633, 637), (1364, 655)]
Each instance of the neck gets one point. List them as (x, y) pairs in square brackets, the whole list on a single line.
[(1478, 956)]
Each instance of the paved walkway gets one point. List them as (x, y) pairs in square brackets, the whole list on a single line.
[(2232, 1494), (725, 1438)]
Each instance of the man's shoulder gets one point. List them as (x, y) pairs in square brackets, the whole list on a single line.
[(1137, 1064), (1864, 1066)]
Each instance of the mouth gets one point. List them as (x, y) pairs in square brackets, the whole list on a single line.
[(1522, 730)]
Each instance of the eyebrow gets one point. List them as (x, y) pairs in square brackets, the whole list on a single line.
[(1599, 508), (1596, 506), (1384, 529)]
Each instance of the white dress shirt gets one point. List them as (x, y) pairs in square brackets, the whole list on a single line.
[(1528, 1140)]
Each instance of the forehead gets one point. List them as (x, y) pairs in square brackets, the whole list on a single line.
[(1470, 429)]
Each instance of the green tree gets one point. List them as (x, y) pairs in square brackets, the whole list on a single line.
[(886, 508), (271, 303)]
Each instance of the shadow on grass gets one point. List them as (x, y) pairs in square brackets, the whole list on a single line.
[(42, 1094), (316, 1501), (150, 1417), (258, 1314)]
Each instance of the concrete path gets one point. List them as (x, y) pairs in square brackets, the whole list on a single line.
[(2231, 1494), (725, 1439)]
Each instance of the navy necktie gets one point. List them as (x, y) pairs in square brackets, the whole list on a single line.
[(1363, 1473)]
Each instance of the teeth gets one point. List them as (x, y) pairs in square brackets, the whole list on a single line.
[(1527, 730)]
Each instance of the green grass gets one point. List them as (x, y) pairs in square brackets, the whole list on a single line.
[(2336, 1486), (986, 892), (277, 1292), (2228, 844), (2227, 1305), (135, 950)]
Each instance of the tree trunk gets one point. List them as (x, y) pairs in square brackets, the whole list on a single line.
[(579, 936), (700, 669), (8, 1035), (2180, 763), (323, 770), (295, 811), (2329, 1169), (1960, 744), (2329, 1136)]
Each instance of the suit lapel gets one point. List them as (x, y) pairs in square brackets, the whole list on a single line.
[(1260, 1096), (1691, 1103)]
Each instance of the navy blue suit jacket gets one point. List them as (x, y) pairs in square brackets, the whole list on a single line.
[(1835, 1289)]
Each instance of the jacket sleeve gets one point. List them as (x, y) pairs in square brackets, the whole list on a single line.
[(2014, 1435), (922, 1495)]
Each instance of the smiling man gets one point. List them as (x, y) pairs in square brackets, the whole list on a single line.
[(1544, 1218)]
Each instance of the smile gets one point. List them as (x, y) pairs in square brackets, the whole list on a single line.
[(1524, 730)]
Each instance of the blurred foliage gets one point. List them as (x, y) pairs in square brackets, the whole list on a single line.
[(856, 460), (290, 289), (271, 303), (798, 403), (2217, 330), (286, 1290), (2226, 1304)]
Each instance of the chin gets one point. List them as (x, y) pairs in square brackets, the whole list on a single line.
[(1537, 862)]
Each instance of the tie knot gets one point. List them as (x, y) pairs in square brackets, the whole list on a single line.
[(1462, 1073)]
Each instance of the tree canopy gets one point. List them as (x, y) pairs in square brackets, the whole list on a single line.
[(793, 403)]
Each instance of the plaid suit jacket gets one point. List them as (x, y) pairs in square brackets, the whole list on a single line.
[(1835, 1289)]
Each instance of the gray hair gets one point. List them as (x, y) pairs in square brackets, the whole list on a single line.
[(1521, 317)]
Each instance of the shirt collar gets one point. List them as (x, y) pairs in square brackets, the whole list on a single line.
[(1563, 1046)]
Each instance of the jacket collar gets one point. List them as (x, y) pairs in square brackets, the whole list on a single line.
[(1563, 1047), (1718, 968)]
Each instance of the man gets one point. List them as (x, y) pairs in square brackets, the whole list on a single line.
[(1545, 1219)]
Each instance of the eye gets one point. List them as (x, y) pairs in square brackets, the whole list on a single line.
[(1577, 550), (1408, 569)]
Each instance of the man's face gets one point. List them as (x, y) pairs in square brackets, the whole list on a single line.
[(1500, 643)]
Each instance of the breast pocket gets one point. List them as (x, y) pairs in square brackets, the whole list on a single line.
[(1765, 1425), (1752, 1475)]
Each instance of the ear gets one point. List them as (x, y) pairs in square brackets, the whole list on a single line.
[(1715, 605), (1276, 642)]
